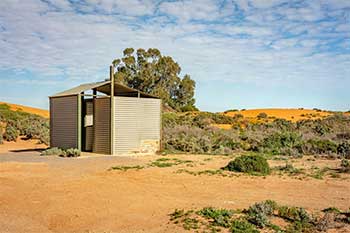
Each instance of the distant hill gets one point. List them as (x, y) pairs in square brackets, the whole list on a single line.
[(292, 114), (38, 111)]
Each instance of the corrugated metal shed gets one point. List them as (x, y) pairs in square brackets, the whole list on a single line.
[(81, 88), (128, 123), (103, 87)]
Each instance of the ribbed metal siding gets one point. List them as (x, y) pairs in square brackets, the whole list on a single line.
[(101, 143), (64, 122), (126, 125), (136, 119), (150, 119), (89, 131)]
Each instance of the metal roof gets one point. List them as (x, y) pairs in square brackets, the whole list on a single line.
[(103, 87)]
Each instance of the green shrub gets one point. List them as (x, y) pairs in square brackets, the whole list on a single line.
[(188, 108), (259, 213), (219, 217), (258, 216), (26, 124), (321, 129), (276, 143), (319, 146), (242, 227), (238, 116), (169, 162), (11, 133), (71, 152), (126, 168), (294, 214), (343, 149), (289, 169), (192, 133), (231, 110), (331, 210), (262, 115), (255, 164), (345, 165), (53, 151), (198, 140)]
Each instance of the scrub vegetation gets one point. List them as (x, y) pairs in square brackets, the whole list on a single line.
[(252, 164), (71, 152), (18, 123), (194, 133), (259, 218)]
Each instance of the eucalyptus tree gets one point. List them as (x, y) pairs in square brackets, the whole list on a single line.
[(151, 72)]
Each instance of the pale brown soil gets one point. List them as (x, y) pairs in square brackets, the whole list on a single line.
[(52, 194), (21, 145)]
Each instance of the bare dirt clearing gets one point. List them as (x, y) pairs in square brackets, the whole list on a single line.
[(51, 194), (22, 144)]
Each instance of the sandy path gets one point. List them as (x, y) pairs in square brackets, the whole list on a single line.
[(80, 195)]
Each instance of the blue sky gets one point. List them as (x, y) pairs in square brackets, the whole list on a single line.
[(242, 53)]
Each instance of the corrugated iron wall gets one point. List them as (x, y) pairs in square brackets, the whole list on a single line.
[(137, 122), (64, 122), (89, 130), (101, 126)]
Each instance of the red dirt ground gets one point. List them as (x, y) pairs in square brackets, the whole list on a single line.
[(52, 194)]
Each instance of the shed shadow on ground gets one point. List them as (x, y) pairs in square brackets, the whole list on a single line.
[(28, 150)]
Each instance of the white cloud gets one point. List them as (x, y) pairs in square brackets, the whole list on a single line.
[(191, 10), (264, 46), (265, 3)]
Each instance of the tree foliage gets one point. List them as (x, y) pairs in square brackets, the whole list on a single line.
[(153, 73)]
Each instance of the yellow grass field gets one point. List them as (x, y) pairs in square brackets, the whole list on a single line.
[(38, 111), (291, 114)]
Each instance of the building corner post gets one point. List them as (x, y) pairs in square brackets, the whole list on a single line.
[(112, 106), (79, 121)]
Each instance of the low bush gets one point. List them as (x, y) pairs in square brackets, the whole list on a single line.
[(11, 133), (259, 213), (219, 217), (72, 152), (321, 129), (168, 162), (278, 142), (345, 165), (294, 214), (253, 164), (319, 146), (262, 115), (126, 168), (193, 133), (231, 110), (29, 125), (199, 141), (259, 217), (241, 226), (343, 149), (289, 169), (53, 151)]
